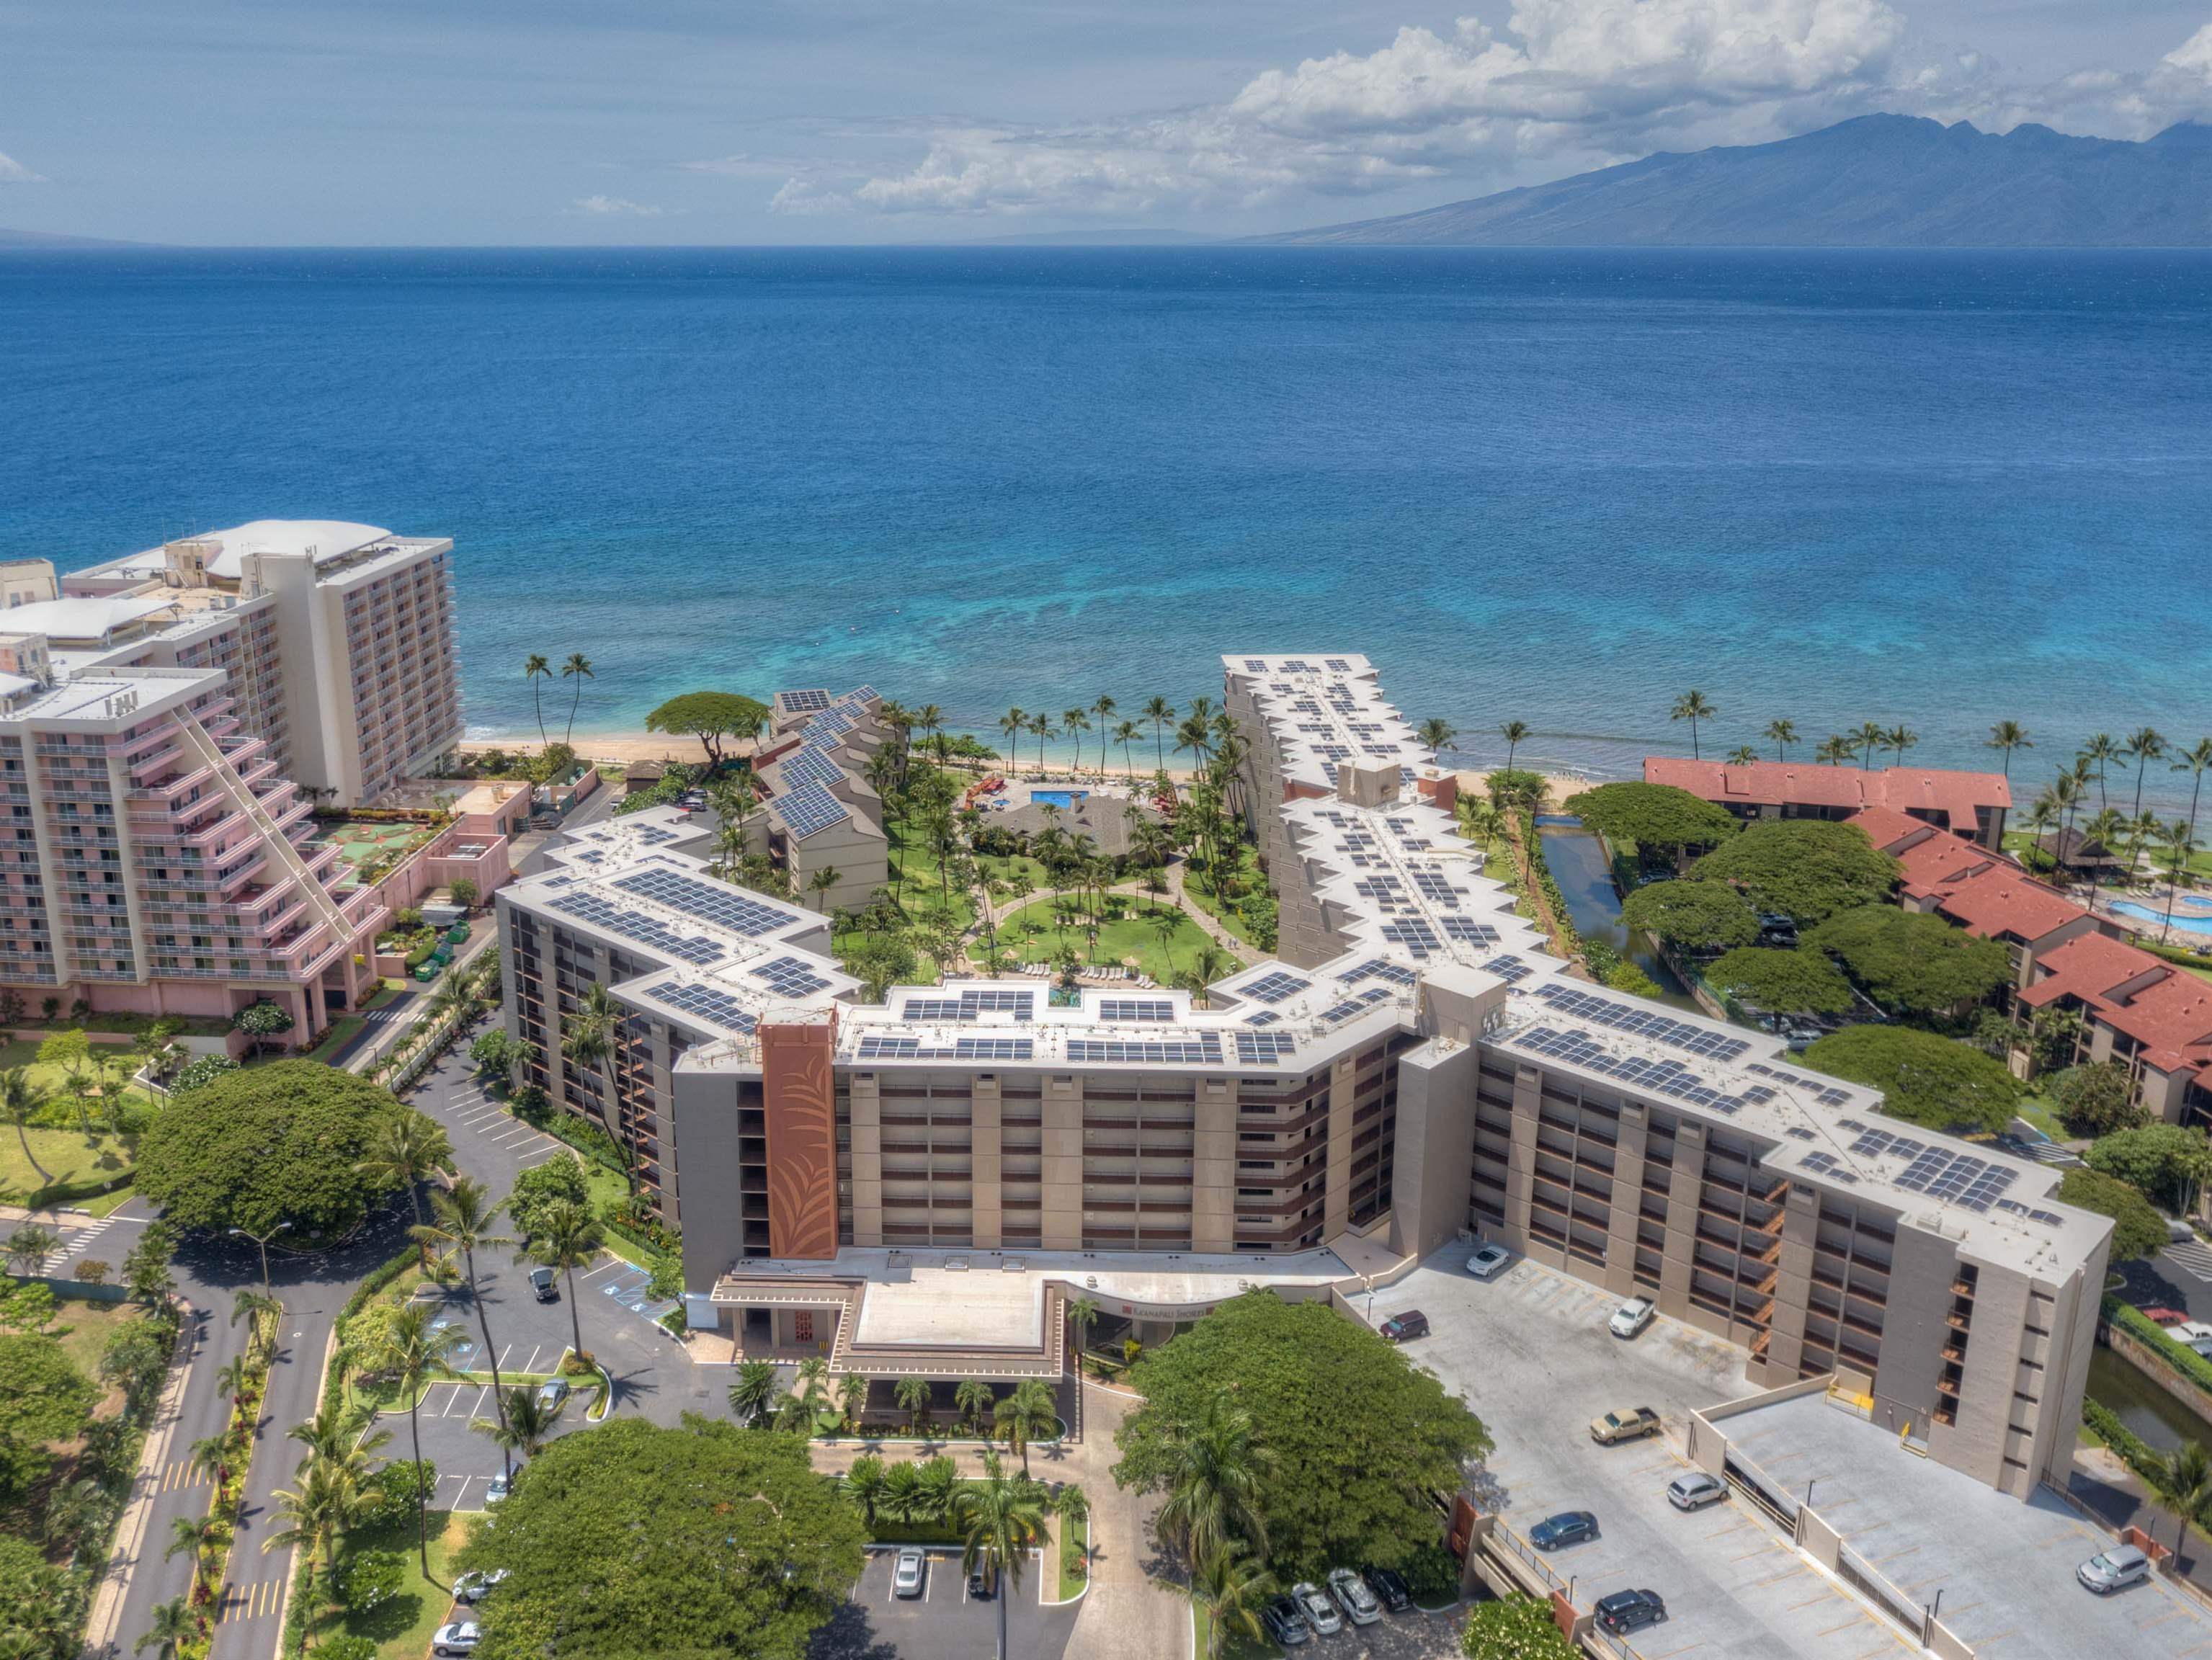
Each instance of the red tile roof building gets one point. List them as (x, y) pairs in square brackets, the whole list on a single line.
[(1967, 804)]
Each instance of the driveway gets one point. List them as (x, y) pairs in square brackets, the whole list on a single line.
[(943, 1623)]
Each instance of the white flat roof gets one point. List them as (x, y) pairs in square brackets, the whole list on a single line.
[(85, 619)]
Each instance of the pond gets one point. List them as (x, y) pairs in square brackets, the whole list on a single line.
[(2162, 1421), (1585, 878)]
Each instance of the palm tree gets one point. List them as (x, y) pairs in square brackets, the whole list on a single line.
[(2145, 745), (2181, 843), (913, 1396), (327, 1502), (197, 1534), (329, 1436), (1901, 739), (1781, 734), (465, 1215), (2006, 736), (1126, 733), (1691, 706), (1742, 755), (1230, 1587), (1013, 723), (1041, 728), (754, 1389), (1001, 1519), (21, 1100), (1159, 712), (420, 1352), (1437, 733), (932, 1495), (811, 1386), (578, 669), (853, 1396), (1211, 964), (588, 1037), (527, 1422), (864, 1485), (2065, 795), (1167, 924), (566, 1238), (1025, 1415), (250, 1305), (1873, 738), (1083, 1314), (1214, 1484), (902, 1499), (210, 1457), (820, 884), (2100, 752), (1075, 722), (407, 1149), (2181, 1480), (233, 1379), (974, 1398), (534, 670), (1514, 732), (1834, 750), (173, 1626), (2195, 761)]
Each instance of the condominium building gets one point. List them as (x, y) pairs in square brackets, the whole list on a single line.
[(823, 823), (338, 638), (1970, 804), (152, 858), (918, 1185)]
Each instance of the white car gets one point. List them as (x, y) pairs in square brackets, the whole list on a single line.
[(472, 1588), (1630, 1317), (2114, 1569), (1352, 1595), (498, 1489), (1320, 1613), (461, 1636), (905, 1573), (1695, 1492), (1489, 1263)]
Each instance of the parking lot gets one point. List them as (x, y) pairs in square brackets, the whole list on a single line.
[(943, 1623), (1530, 1352)]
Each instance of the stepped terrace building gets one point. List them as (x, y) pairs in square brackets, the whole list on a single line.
[(1970, 805), (824, 822), (919, 1186)]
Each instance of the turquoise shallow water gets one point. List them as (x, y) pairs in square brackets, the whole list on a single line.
[(1556, 486)]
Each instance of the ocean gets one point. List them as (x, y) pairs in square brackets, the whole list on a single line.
[(1939, 489)]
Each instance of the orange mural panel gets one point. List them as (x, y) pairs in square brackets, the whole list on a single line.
[(799, 1093)]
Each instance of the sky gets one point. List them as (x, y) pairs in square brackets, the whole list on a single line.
[(559, 122)]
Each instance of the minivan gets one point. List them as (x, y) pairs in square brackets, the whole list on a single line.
[(1401, 1327)]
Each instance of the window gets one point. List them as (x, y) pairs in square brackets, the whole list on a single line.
[(802, 1326)]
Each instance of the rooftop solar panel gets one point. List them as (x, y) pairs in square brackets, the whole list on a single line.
[(708, 1003), (710, 902), (1265, 1048), (1203, 1048), (1414, 934), (809, 809), (1378, 968), (790, 976), (1467, 931), (1135, 1008), (1511, 969), (1274, 988), (1642, 1022), (638, 926), (808, 764), (1264, 1017), (800, 702)]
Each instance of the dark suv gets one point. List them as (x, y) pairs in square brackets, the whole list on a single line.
[(1399, 1326), (1631, 1610), (1283, 1622), (542, 1286)]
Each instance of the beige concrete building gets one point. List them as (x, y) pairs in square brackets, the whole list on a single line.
[(823, 822)]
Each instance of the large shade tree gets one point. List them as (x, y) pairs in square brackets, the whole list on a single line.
[(1355, 1436), (1656, 817), (640, 1540), (1803, 868), (1695, 916), (293, 1142), (714, 717), (1936, 1081), (1782, 981), (2138, 1230), (1913, 962)]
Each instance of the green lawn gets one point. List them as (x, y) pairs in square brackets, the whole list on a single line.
[(89, 1328), (1030, 936), (2036, 1108), (1224, 911), (402, 1628), (1074, 1540), (66, 1156), (343, 1030), (1239, 1646)]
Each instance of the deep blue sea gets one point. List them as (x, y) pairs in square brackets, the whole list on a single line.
[(1562, 487)]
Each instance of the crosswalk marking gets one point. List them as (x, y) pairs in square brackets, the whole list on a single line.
[(2194, 1257), (178, 1474), (254, 1601), (79, 1243)]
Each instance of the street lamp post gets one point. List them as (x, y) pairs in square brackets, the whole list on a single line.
[(262, 1240)]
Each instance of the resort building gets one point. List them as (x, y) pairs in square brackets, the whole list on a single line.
[(823, 826), (26, 583), (1972, 804), (919, 1185), (154, 859), (337, 637)]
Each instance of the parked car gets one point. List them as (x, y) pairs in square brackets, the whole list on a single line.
[(543, 1286), (1391, 1587), (1687, 1492), (1352, 1594), (1489, 1263), (1283, 1622), (1320, 1613), (553, 1393), (2192, 1335), (905, 1573), (1630, 1317), (1628, 1423), (1631, 1610), (979, 1585), (496, 1493), (2113, 1569), (1569, 1527), (1401, 1327), (473, 1587), (460, 1637)]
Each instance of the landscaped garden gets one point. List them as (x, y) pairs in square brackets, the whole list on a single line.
[(72, 1118), (1157, 939)]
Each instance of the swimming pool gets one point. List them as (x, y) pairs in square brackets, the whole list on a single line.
[(2182, 924), (1061, 799)]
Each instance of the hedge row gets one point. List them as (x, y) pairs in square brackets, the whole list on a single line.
[(2137, 1325), (2134, 1451)]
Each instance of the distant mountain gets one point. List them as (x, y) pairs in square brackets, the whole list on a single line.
[(1877, 181), (38, 239), (1138, 238)]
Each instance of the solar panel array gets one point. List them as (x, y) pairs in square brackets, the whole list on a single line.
[(1825, 1163), (790, 976), (1826, 1094), (1135, 1008), (1511, 969), (810, 765), (708, 1003), (652, 834), (1202, 1049), (877, 1046), (1274, 988), (1351, 1006), (802, 702), (1414, 935), (1336, 666), (1956, 1178), (710, 902), (808, 809), (1264, 1017), (636, 925), (1022, 1005), (1641, 1022), (1435, 887), (1468, 932), (1378, 968), (1262, 1049), (1666, 1077), (2049, 1218)]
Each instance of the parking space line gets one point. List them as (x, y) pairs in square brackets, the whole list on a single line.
[(612, 1263)]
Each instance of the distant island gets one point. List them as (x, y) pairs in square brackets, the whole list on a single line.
[(1877, 181), (38, 239)]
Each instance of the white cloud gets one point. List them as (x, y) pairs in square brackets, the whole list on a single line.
[(13, 172), (618, 205), (797, 195)]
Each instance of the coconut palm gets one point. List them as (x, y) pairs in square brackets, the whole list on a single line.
[(1001, 1519), (1781, 734), (853, 1396), (1437, 733), (2195, 761), (1210, 964), (1127, 732), (21, 1101), (974, 1399), (1083, 1314), (864, 1485), (1901, 739), (2102, 752), (328, 1500), (901, 1497), (1515, 732), (754, 1389), (913, 1396), (527, 1422), (1214, 1484), (1230, 1588), (249, 1305), (2065, 795), (578, 668), (566, 1238), (2006, 736), (1693, 706), (589, 1038), (940, 1481), (811, 1386), (1013, 723), (197, 1535), (819, 884), (2145, 745), (1834, 750), (419, 1353), (1742, 755), (173, 1626), (2181, 1480), (464, 1216), (2181, 843), (1074, 723), (1159, 712), (408, 1149), (1021, 1417), (536, 668), (210, 1457), (1873, 738)]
